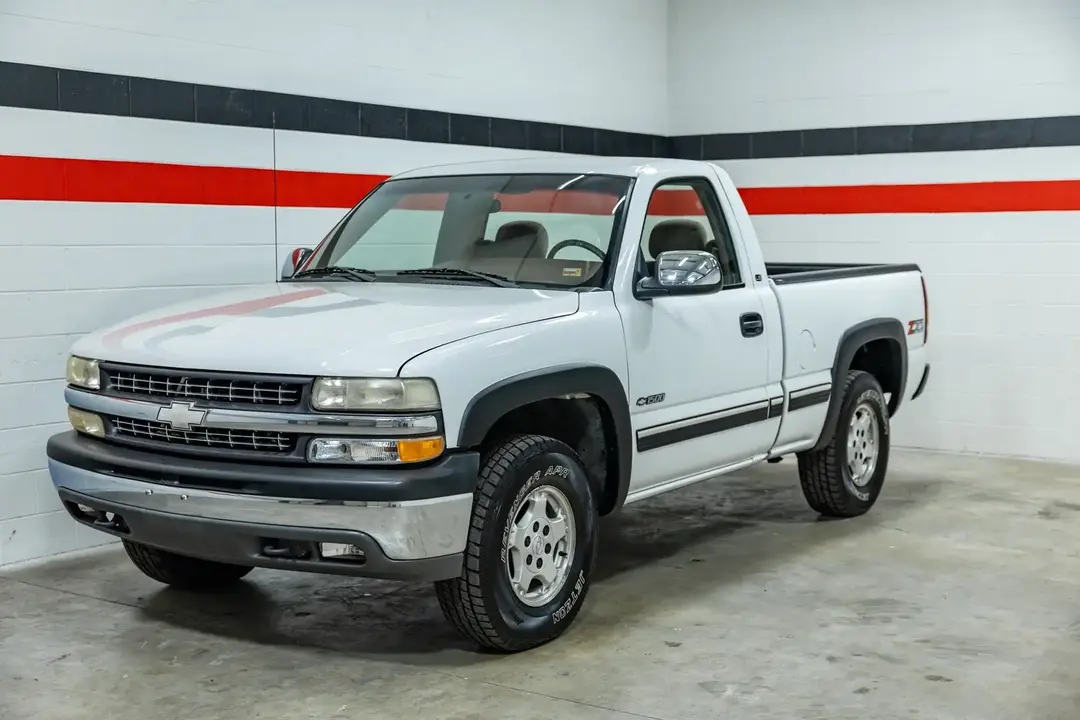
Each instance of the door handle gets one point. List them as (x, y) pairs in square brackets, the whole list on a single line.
[(751, 324)]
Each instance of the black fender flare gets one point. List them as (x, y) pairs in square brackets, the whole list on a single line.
[(850, 342), (494, 401)]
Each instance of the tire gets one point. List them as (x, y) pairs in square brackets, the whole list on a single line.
[(181, 571), (828, 483), (482, 603)]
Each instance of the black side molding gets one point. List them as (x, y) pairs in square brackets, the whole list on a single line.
[(793, 274), (692, 428), (809, 398), (877, 329), (698, 426), (484, 410)]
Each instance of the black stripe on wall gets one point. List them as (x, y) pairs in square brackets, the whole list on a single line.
[(45, 88), (48, 88), (874, 140)]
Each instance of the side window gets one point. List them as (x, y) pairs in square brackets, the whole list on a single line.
[(685, 214)]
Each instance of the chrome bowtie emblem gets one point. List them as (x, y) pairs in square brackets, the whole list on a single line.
[(180, 415)]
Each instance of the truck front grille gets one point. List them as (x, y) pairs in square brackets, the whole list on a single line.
[(216, 388), (256, 440)]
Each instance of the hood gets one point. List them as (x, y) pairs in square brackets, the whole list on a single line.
[(332, 328)]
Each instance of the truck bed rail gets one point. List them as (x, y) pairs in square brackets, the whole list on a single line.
[(792, 273)]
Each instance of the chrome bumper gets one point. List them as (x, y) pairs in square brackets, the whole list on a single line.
[(404, 531)]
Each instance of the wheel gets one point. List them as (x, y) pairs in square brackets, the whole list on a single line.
[(181, 571), (531, 547), (844, 478)]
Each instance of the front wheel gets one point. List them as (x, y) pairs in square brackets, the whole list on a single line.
[(531, 548), (181, 571), (844, 478)]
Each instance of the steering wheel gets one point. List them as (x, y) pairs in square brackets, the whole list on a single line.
[(576, 243)]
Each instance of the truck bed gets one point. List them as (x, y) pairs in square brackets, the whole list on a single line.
[(791, 273)]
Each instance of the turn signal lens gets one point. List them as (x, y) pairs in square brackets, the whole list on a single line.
[(419, 450), (376, 451), (86, 423)]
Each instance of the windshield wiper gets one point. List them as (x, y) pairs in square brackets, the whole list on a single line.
[(496, 280), (358, 274)]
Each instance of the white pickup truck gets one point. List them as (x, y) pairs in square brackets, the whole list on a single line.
[(475, 364)]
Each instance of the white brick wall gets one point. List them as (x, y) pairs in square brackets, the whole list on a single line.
[(748, 66), (566, 61), (1004, 311), (1005, 314), (68, 268), (1004, 327)]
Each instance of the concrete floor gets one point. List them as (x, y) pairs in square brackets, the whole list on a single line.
[(957, 597)]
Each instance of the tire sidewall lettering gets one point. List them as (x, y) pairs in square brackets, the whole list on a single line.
[(873, 397), (560, 469), (534, 481), (564, 609)]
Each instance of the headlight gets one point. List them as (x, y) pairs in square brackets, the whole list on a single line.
[(372, 450), (83, 373), (86, 423), (374, 394)]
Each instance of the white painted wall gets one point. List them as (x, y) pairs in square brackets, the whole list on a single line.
[(1005, 312), (747, 66), (566, 61), (68, 268), (1004, 328)]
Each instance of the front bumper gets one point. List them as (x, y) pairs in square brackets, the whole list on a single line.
[(409, 523)]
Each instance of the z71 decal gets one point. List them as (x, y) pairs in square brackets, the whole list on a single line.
[(914, 327), (651, 399)]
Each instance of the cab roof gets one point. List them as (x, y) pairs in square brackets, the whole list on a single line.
[(567, 164)]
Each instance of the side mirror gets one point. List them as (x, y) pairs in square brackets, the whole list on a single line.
[(294, 261), (682, 272)]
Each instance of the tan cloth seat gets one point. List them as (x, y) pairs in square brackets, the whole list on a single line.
[(672, 235), (515, 240)]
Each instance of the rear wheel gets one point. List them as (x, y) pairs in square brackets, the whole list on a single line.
[(531, 547), (845, 478), (181, 571)]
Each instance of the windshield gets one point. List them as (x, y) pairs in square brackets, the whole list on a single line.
[(539, 230)]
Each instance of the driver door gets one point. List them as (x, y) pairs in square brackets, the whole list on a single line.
[(698, 390)]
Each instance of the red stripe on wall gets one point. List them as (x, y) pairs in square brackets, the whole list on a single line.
[(323, 190), (72, 180), (980, 197)]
